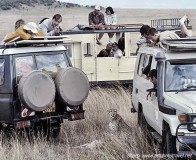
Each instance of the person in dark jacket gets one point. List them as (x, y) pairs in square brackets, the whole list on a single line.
[(96, 20), (106, 52)]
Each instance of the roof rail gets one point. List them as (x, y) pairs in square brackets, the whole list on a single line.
[(170, 22), (181, 44), (120, 30), (36, 41)]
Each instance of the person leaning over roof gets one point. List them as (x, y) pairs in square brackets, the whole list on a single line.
[(96, 19), (143, 31), (109, 20), (51, 27), (26, 31), (19, 23), (159, 37)]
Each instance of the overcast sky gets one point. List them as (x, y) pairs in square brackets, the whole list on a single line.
[(174, 4)]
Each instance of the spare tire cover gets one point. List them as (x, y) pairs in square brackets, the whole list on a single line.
[(36, 90), (72, 86)]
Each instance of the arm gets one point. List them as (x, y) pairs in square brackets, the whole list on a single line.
[(106, 19), (114, 19), (101, 19), (44, 28), (90, 18), (118, 54)]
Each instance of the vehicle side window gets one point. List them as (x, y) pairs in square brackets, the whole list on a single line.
[(87, 50), (144, 65), (51, 63), (24, 65), (2, 73)]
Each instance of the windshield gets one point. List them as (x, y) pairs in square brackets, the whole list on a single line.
[(51, 63), (180, 75)]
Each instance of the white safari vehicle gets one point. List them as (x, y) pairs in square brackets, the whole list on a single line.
[(169, 114), (100, 70)]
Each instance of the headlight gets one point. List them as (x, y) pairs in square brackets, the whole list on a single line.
[(194, 120)]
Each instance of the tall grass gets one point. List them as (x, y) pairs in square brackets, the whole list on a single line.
[(93, 127)]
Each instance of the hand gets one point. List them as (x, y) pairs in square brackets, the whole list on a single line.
[(149, 94), (56, 29)]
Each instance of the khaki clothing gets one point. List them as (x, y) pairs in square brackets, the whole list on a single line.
[(167, 35), (21, 33)]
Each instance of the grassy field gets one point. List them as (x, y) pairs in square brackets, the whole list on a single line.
[(93, 127)]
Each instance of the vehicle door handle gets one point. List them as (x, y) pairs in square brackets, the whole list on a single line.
[(136, 91)]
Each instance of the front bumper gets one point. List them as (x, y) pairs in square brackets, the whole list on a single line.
[(186, 136)]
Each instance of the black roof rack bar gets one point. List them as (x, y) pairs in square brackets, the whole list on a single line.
[(183, 44), (166, 22), (132, 29)]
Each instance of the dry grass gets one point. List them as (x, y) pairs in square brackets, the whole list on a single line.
[(93, 127)]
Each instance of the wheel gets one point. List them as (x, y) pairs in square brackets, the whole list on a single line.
[(34, 95), (139, 117), (169, 143), (146, 129), (1, 126)]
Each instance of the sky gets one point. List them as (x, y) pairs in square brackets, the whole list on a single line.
[(167, 4)]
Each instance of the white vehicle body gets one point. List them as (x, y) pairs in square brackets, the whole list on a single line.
[(176, 94)]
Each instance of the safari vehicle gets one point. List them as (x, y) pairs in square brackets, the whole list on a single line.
[(169, 114), (104, 70), (39, 87)]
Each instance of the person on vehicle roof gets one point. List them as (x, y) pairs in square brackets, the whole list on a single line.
[(110, 19), (51, 27), (19, 23), (25, 32), (96, 19), (144, 38), (160, 37)]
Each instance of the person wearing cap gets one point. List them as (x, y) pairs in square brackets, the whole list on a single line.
[(26, 31), (96, 19), (51, 27)]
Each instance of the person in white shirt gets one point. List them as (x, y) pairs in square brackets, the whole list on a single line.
[(116, 51), (110, 19), (160, 37), (51, 27)]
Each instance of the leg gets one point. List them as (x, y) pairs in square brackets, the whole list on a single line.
[(184, 29), (112, 34), (99, 38)]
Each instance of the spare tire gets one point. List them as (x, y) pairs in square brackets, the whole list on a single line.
[(36, 91), (72, 86)]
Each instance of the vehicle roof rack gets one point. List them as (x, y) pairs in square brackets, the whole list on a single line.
[(120, 30), (181, 44), (169, 22), (17, 42)]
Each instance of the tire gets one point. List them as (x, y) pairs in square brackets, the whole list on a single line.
[(72, 86), (169, 143), (36, 91), (146, 129), (139, 117)]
